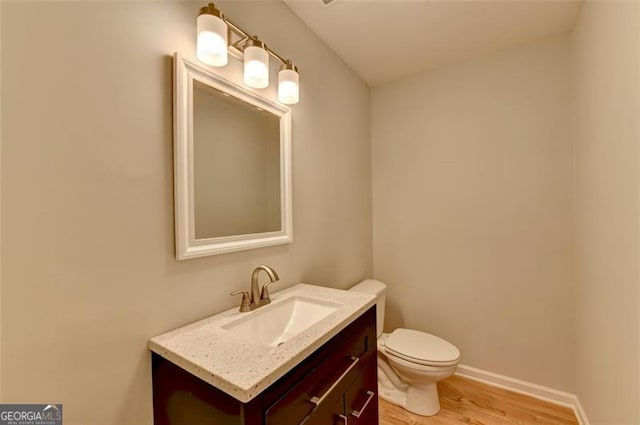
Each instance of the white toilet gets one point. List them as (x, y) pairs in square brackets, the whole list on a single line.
[(410, 362)]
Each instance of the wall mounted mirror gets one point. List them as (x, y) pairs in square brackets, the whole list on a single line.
[(232, 165)]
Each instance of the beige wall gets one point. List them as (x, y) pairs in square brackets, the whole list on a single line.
[(606, 126), (473, 209), (87, 186)]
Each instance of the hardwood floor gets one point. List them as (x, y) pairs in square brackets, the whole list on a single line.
[(465, 401)]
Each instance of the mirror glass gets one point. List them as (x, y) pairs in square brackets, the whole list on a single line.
[(232, 152), (236, 163)]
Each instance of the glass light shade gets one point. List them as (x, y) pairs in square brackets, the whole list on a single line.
[(256, 67), (288, 86), (212, 40)]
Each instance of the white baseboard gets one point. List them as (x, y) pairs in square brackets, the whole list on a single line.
[(580, 414), (527, 388)]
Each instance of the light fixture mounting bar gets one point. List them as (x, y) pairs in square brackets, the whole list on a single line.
[(246, 36)]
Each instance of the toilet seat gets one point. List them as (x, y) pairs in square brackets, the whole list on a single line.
[(421, 348)]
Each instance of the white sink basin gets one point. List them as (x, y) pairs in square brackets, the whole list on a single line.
[(275, 324)]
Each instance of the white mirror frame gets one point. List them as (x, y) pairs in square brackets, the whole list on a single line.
[(187, 246)]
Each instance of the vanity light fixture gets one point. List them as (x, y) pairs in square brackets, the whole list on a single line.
[(215, 35)]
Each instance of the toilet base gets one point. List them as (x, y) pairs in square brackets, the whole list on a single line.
[(423, 399), (419, 399), (392, 395)]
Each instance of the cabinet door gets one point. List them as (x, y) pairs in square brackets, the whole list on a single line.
[(361, 399)]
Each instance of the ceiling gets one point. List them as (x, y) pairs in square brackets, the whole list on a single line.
[(384, 40)]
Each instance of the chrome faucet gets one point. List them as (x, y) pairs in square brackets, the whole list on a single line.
[(257, 298)]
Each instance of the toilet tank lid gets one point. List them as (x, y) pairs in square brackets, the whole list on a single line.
[(421, 346), (370, 286)]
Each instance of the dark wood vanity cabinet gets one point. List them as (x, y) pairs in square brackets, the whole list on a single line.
[(335, 385)]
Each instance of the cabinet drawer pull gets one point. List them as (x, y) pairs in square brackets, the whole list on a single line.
[(318, 400), (341, 417), (357, 413)]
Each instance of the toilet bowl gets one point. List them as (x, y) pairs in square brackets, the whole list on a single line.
[(410, 362)]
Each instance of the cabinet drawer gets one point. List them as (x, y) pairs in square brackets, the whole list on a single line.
[(339, 363)]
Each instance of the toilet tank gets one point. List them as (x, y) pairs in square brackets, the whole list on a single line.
[(379, 289)]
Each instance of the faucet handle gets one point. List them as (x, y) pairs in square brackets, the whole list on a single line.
[(246, 302), (264, 295)]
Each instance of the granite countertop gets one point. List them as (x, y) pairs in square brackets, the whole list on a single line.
[(243, 368)]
